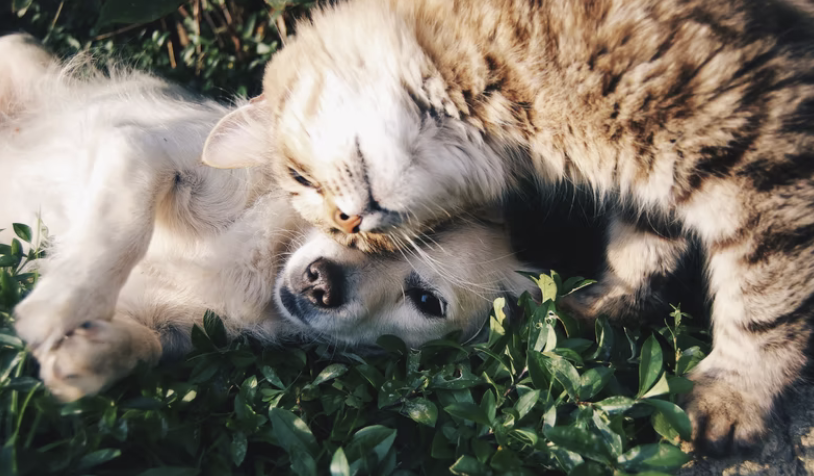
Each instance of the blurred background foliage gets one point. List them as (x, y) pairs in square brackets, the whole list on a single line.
[(216, 47)]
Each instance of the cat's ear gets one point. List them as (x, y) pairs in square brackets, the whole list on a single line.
[(241, 139)]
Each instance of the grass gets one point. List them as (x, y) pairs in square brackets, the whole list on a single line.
[(537, 395)]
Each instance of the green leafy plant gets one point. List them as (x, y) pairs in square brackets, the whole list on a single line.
[(536, 393), (217, 47)]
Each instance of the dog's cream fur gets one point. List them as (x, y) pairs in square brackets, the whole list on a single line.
[(144, 238)]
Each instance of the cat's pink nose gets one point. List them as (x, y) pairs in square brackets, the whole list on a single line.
[(347, 223)]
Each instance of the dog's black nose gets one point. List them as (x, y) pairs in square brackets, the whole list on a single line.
[(323, 284)]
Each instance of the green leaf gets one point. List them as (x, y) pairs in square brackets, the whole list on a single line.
[(302, 463), (20, 5), (582, 442), (469, 466), (135, 11), (291, 432), (589, 468), (550, 417), (660, 388), (574, 284), (171, 471), (525, 403), (566, 375), (392, 344), (538, 330), (653, 457), (650, 364), (238, 447), (271, 377), (91, 460), (213, 325), (505, 460), (616, 404), (468, 411), (488, 406), (496, 329), (679, 385), (339, 463), (571, 325), (568, 460), (593, 381), (200, 340), (421, 411), (674, 415), (525, 435), (604, 339), (373, 440), (612, 439), (689, 359), (330, 372), (538, 372), (9, 261), (22, 231), (547, 286)]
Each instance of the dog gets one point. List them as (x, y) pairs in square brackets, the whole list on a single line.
[(143, 239)]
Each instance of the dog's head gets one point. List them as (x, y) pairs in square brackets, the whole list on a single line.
[(446, 284)]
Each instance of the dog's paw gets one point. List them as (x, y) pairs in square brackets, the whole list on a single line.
[(94, 355), (55, 308), (725, 419)]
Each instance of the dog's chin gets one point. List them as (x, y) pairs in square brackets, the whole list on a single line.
[(289, 307)]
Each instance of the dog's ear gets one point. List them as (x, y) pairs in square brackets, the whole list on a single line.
[(241, 139)]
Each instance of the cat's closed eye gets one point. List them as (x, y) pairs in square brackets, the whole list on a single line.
[(300, 179)]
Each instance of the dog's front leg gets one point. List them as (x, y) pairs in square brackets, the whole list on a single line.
[(127, 172)]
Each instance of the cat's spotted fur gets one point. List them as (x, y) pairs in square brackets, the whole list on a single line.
[(694, 113)]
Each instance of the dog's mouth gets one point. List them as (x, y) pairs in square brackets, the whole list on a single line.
[(289, 302)]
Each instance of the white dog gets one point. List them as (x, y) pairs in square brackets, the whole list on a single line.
[(144, 238)]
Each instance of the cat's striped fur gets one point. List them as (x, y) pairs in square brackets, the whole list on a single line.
[(692, 112)]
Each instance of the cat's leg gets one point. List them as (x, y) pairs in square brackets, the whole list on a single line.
[(638, 258), (110, 231), (762, 279), (96, 354)]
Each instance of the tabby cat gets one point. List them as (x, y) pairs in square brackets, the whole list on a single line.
[(385, 118)]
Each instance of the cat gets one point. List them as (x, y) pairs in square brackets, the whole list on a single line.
[(143, 238), (386, 118)]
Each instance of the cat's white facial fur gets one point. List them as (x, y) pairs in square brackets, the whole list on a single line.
[(378, 140), (146, 239)]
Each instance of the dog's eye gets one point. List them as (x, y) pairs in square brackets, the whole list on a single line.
[(427, 302), (299, 178)]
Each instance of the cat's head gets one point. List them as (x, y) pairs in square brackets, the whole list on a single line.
[(361, 132)]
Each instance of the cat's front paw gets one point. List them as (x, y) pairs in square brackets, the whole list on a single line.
[(94, 355), (618, 303), (725, 420)]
